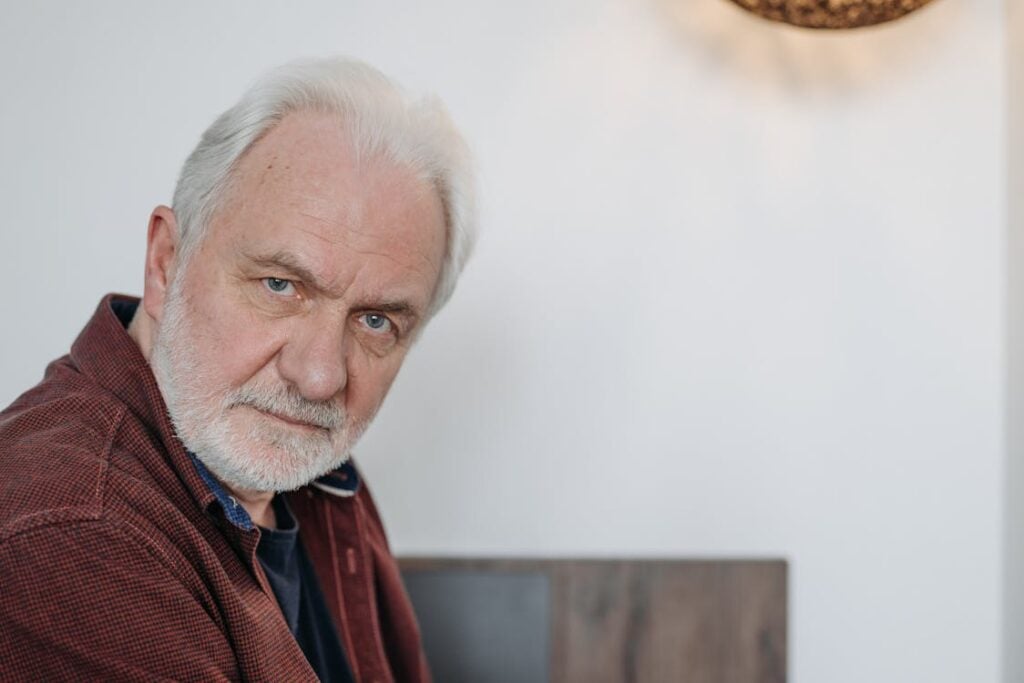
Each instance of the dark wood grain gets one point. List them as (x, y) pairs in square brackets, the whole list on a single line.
[(639, 621)]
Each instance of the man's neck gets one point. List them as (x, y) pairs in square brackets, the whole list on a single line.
[(258, 504), (141, 330)]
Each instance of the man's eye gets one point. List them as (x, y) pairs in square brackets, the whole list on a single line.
[(278, 286), (377, 322)]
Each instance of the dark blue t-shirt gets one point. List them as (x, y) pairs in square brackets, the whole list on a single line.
[(298, 593)]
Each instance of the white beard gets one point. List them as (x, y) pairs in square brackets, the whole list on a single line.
[(266, 455)]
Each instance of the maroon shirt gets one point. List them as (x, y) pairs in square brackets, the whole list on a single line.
[(116, 560)]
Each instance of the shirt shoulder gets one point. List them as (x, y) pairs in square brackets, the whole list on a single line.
[(55, 446), (87, 599), (76, 462)]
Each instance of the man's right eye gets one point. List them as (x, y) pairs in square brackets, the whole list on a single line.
[(278, 285)]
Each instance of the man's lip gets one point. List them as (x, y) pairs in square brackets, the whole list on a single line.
[(282, 418)]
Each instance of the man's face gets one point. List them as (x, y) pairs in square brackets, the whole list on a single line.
[(280, 338)]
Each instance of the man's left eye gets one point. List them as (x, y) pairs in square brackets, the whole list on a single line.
[(376, 322), (278, 285)]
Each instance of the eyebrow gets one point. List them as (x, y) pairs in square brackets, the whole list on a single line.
[(399, 307), (290, 263)]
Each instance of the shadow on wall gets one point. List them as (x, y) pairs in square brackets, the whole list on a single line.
[(736, 43)]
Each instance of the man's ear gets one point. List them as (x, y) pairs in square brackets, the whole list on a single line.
[(161, 259)]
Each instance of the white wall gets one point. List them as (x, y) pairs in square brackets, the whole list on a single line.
[(1013, 528), (741, 290)]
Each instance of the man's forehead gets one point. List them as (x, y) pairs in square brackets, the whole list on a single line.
[(307, 163), (302, 199), (305, 147)]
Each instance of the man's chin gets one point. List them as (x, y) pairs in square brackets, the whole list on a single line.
[(259, 465)]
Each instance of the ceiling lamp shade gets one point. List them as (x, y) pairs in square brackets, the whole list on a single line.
[(831, 13)]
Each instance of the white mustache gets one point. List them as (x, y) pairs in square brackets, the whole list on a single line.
[(287, 403)]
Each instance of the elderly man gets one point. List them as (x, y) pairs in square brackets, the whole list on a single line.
[(177, 499)]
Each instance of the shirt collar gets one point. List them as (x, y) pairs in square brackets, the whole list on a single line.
[(342, 482), (233, 510)]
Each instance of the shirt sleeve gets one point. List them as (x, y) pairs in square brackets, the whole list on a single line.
[(87, 600)]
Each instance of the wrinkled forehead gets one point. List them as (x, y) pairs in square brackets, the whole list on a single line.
[(317, 141), (310, 158), (305, 188)]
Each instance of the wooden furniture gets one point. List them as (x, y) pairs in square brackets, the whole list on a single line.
[(596, 621)]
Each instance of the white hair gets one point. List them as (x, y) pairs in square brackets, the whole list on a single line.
[(381, 119)]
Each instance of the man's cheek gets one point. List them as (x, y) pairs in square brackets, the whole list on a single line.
[(245, 358)]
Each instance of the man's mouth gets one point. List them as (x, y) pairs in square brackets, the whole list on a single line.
[(294, 422)]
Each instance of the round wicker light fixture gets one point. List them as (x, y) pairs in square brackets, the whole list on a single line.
[(831, 13)]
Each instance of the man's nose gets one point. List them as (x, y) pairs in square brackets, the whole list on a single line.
[(314, 362)]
